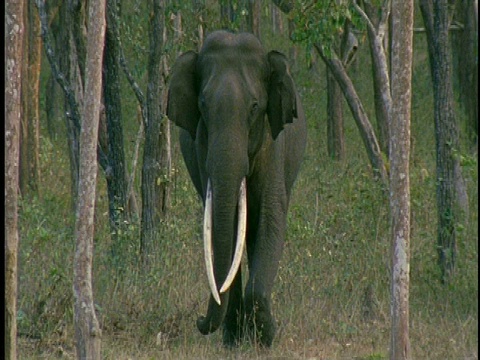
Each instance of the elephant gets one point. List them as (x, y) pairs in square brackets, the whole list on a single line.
[(242, 134)]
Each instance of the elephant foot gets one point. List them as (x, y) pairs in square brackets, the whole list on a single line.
[(232, 339), (233, 331), (262, 329), (261, 324)]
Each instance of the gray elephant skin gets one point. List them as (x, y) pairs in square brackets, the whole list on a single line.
[(242, 132)]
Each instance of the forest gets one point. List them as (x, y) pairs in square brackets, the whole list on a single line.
[(106, 150)]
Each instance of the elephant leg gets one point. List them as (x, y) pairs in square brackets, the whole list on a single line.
[(264, 258), (234, 323)]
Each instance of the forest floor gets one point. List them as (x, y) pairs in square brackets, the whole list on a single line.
[(331, 298)]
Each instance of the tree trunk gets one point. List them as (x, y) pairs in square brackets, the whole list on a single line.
[(75, 62), (226, 14), (335, 133), (402, 50), (87, 328), (366, 130), (335, 130), (377, 33), (30, 175), (53, 95), (199, 8), (14, 35), (277, 21), (151, 170), (465, 44), (116, 173), (452, 198), (254, 15)]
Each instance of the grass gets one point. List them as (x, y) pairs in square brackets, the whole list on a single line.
[(331, 298)]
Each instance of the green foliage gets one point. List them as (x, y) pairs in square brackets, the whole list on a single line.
[(332, 293), (321, 22)]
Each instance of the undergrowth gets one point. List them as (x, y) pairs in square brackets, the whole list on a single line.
[(331, 297)]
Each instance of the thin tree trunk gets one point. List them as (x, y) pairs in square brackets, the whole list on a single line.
[(14, 35), (117, 177), (277, 21), (151, 170), (199, 8), (293, 51), (465, 54), (377, 30), (335, 130), (366, 130), (87, 327), (24, 128), (75, 61), (335, 133), (452, 198), (226, 13), (402, 50), (30, 127), (53, 97), (254, 14), (165, 145)]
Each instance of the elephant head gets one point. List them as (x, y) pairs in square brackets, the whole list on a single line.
[(231, 99)]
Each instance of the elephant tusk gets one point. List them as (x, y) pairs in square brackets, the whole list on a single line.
[(241, 231), (207, 244)]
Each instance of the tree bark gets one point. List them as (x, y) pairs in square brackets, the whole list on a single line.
[(277, 21), (74, 61), (30, 133), (377, 30), (254, 16), (116, 172), (227, 15), (66, 74), (402, 51), (87, 327), (199, 8), (151, 170), (14, 36), (335, 133), (452, 198), (465, 45), (53, 94)]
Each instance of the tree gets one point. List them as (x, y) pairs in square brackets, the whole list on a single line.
[(253, 17), (30, 129), (151, 170), (335, 129), (335, 134), (377, 30), (68, 72), (52, 90), (451, 193), (87, 327), (116, 169), (227, 13), (402, 50), (14, 34), (319, 34), (367, 132), (465, 54)]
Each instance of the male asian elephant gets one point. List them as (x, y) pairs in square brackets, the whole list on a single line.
[(242, 136)]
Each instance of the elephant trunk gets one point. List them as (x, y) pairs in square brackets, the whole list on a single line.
[(222, 209)]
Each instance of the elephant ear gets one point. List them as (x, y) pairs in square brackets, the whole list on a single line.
[(282, 103), (182, 106)]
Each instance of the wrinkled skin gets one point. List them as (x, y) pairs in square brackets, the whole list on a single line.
[(240, 117)]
